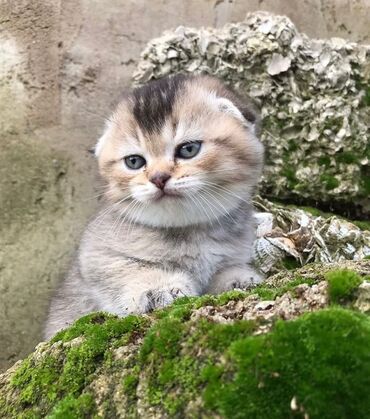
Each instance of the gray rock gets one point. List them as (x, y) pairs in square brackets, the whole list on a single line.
[(363, 299), (288, 237)]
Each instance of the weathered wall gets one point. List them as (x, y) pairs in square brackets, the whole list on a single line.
[(64, 61), (62, 66)]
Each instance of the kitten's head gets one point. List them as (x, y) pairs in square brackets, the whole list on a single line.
[(180, 151)]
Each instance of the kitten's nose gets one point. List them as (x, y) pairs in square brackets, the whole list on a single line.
[(159, 179)]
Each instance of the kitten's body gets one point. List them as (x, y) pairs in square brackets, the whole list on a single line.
[(193, 235)]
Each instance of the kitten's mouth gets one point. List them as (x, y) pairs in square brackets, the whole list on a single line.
[(162, 194)]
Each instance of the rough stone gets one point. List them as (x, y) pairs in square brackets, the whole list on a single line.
[(363, 299), (288, 237), (301, 299), (279, 344)]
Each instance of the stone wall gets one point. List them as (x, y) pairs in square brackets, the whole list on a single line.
[(62, 66)]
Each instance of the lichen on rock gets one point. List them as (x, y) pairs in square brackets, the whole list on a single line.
[(288, 237), (314, 98), (282, 349)]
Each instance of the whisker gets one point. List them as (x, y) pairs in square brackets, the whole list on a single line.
[(139, 211), (210, 205), (109, 209), (131, 214), (124, 213), (226, 212), (215, 171), (201, 207), (222, 188), (99, 195), (120, 213), (193, 202)]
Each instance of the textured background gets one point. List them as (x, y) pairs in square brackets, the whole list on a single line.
[(62, 66)]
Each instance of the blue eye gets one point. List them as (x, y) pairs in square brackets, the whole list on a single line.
[(188, 150), (134, 162)]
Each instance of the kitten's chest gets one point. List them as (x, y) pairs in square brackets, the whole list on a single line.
[(200, 258), (201, 254)]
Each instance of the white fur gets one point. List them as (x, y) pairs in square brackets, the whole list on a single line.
[(197, 203), (103, 139), (226, 106)]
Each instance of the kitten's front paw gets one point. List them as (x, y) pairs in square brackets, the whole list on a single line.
[(161, 297), (234, 278)]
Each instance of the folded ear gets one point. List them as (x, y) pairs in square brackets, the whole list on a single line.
[(244, 111), (101, 141)]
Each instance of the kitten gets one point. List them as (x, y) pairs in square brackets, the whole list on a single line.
[(181, 159)]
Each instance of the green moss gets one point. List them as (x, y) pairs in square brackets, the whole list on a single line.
[(292, 145), (271, 293), (366, 97), (291, 263), (324, 161), (317, 359), (174, 356), (182, 308), (365, 185), (73, 408), (342, 285), (162, 339), (330, 182), (183, 372), (159, 350), (217, 336), (333, 123), (290, 174), (321, 360), (315, 212), (65, 374), (347, 157), (194, 368), (363, 225), (130, 383), (101, 327)]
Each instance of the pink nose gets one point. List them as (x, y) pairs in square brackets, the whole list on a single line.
[(159, 179)]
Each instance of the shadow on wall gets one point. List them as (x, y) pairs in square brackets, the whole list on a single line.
[(41, 216)]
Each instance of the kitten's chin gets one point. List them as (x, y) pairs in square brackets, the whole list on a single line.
[(173, 211), (171, 218)]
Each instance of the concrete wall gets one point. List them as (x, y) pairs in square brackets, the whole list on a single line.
[(63, 63)]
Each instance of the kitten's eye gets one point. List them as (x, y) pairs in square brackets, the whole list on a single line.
[(134, 162), (188, 150)]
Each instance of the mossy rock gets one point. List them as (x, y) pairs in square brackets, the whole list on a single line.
[(229, 356)]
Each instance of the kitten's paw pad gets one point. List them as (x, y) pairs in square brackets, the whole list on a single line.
[(159, 298)]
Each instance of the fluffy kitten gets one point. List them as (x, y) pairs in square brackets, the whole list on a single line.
[(181, 159)]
